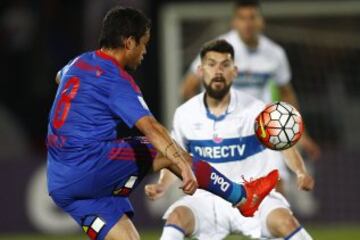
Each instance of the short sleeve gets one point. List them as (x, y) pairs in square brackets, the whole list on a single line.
[(127, 103), (66, 68), (176, 132), (283, 73)]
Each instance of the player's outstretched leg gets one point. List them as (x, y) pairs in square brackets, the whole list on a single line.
[(281, 223), (179, 224), (246, 197)]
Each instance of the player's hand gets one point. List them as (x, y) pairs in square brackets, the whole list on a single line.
[(310, 147), (189, 181), (155, 191), (305, 182)]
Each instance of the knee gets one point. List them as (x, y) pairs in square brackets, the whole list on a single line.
[(183, 218), (281, 223), (289, 224)]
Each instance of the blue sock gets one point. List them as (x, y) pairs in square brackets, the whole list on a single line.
[(215, 182)]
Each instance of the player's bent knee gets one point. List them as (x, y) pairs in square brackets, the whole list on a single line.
[(182, 217), (281, 222), (289, 223)]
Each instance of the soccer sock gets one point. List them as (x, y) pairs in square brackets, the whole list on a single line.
[(215, 182), (299, 234), (172, 232)]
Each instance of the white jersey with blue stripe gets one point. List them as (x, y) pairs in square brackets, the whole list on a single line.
[(256, 67), (226, 141)]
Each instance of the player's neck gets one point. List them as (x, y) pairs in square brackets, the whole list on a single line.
[(216, 106), (117, 54), (251, 43)]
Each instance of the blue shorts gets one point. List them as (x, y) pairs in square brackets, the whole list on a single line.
[(99, 199)]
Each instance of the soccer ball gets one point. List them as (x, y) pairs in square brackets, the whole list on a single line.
[(279, 126)]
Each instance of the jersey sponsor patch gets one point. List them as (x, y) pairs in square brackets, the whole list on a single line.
[(230, 149)]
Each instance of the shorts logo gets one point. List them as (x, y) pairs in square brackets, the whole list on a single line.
[(125, 190), (92, 226), (220, 181)]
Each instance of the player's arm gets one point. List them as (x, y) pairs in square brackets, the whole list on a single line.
[(61, 71), (287, 94), (162, 141), (167, 178), (128, 104), (57, 77), (295, 162), (282, 78), (190, 86), (157, 190)]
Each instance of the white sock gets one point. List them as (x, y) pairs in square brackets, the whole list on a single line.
[(299, 234), (172, 232)]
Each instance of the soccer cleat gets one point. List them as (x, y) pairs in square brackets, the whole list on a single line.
[(256, 191)]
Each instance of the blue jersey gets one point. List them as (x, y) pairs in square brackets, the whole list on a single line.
[(95, 95)]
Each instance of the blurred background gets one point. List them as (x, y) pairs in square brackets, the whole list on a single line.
[(37, 38)]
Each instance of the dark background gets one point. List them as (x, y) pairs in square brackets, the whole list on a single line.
[(37, 38)]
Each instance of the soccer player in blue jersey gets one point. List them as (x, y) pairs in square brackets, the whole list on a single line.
[(90, 171)]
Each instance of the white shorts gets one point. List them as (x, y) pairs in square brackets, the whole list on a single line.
[(216, 218)]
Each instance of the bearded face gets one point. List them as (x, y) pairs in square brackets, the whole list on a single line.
[(218, 72), (218, 87)]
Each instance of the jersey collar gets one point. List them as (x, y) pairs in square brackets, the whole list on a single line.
[(123, 73), (243, 45), (105, 56), (230, 108)]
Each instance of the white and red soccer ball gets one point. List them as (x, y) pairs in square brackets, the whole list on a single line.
[(279, 126)]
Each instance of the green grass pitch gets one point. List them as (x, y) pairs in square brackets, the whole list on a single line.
[(330, 232)]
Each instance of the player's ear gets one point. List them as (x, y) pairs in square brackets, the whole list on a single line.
[(130, 43)]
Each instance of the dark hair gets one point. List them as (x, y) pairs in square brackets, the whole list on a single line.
[(120, 23), (247, 3), (219, 45)]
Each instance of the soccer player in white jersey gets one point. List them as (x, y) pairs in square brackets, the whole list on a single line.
[(260, 61), (218, 126)]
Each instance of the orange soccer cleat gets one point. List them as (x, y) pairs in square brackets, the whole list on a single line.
[(256, 191)]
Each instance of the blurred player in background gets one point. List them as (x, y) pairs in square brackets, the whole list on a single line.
[(90, 171), (218, 126), (260, 62)]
